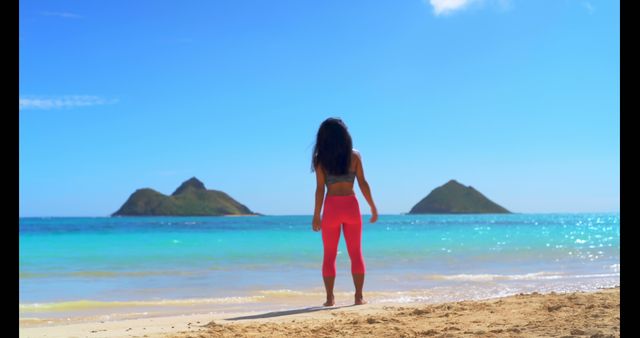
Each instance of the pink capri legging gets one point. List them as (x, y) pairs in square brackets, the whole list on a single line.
[(345, 211)]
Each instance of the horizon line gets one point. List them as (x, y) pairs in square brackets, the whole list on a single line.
[(310, 215)]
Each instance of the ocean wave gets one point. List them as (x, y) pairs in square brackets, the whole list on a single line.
[(95, 304), (286, 292), (529, 276)]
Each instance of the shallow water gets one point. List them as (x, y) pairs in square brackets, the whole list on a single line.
[(127, 266)]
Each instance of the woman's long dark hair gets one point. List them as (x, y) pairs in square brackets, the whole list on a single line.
[(333, 147)]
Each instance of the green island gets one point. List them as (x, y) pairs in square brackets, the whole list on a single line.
[(190, 199), (455, 198)]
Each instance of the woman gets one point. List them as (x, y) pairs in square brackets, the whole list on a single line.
[(336, 165)]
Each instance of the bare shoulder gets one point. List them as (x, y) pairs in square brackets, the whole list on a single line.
[(356, 158)]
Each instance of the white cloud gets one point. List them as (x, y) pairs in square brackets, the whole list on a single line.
[(63, 102), (65, 15), (443, 7), (448, 6), (589, 7)]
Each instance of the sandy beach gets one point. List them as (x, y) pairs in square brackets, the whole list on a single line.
[(588, 314)]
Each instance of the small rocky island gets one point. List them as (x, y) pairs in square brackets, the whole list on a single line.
[(455, 198), (190, 199)]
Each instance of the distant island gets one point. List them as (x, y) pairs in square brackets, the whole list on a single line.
[(455, 198), (190, 199)]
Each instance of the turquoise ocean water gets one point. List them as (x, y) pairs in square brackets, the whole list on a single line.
[(110, 268)]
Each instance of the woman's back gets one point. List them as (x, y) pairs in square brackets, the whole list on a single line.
[(341, 185)]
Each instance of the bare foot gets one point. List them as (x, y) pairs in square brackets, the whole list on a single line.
[(330, 302), (360, 301)]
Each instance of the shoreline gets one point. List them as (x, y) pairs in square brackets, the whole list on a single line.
[(533, 314)]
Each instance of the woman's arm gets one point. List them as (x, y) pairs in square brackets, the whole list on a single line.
[(364, 187), (319, 198)]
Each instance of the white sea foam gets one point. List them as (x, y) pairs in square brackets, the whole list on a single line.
[(529, 276)]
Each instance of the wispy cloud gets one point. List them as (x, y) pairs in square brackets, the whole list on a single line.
[(589, 7), (63, 102), (65, 15), (447, 6), (444, 7)]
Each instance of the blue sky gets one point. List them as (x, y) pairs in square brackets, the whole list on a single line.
[(519, 99)]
